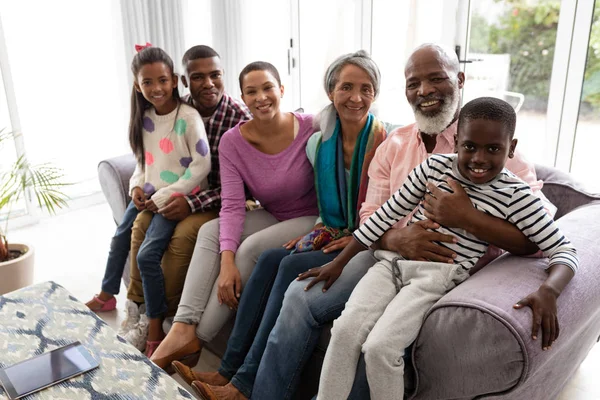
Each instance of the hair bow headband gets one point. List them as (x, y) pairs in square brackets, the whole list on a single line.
[(140, 47)]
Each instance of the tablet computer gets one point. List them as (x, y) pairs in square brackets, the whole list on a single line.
[(47, 369)]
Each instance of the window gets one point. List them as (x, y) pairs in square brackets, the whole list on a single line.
[(70, 86)]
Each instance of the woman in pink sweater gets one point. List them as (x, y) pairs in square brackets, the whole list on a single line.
[(265, 159)]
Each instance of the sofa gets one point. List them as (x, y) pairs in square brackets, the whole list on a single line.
[(473, 344)]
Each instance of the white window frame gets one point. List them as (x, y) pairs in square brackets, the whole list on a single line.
[(574, 27), (33, 215)]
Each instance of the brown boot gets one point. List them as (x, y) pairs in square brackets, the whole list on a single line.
[(208, 392), (189, 376)]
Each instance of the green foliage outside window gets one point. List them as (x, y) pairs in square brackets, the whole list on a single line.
[(527, 31)]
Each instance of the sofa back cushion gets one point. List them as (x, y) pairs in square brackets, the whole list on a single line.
[(563, 191)]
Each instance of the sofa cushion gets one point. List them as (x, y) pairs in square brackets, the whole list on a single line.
[(563, 190)]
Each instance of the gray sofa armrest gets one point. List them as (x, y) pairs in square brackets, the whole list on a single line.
[(473, 343), (114, 174)]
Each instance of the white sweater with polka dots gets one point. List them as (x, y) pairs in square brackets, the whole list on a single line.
[(177, 155)]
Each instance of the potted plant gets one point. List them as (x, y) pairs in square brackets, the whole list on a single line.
[(40, 182)]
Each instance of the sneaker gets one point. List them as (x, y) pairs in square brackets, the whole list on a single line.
[(132, 317), (139, 334)]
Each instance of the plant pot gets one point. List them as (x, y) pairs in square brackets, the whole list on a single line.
[(17, 273)]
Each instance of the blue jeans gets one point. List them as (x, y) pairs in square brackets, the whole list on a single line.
[(149, 258), (258, 310), (297, 330), (119, 250)]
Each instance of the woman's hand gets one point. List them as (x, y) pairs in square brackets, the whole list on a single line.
[(448, 209), (229, 285), (150, 206), (328, 273), (139, 198), (543, 305), (336, 245), (292, 243)]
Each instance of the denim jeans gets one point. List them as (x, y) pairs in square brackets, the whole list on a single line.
[(119, 250), (148, 259), (259, 308), (297, 330)]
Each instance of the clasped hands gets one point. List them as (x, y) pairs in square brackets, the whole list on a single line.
[(176, 209)]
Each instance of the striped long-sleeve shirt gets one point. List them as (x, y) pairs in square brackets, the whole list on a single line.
[(506, 197)]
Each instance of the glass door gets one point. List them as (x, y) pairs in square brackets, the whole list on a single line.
[(586, 138), (326, 30), (510, 54)]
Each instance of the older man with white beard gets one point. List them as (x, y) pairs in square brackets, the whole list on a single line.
[(433, 83)]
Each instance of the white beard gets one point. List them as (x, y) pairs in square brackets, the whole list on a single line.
[(435, 124)]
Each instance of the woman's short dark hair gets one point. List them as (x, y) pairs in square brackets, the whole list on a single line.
[(259, 66)]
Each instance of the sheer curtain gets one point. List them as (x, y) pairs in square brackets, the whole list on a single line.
[(66, 58), (228, 40), (159, 22), (239, 32)]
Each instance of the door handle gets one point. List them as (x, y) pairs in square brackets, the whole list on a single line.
[(457, 50)]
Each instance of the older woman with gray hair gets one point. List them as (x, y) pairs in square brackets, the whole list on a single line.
[(340, 154)]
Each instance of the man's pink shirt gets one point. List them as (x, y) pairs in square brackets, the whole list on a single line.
[(404, 149)]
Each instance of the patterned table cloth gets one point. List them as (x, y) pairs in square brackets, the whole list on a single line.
[(45, 316)]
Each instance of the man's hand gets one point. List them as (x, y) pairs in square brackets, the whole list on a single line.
[(139, 198), (150, 206), (416, 243), (336, 245), (176, 209), (452, 210), (328, 273), (230, 285), (543, 305)]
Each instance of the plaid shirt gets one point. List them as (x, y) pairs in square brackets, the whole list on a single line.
[(228, 114)]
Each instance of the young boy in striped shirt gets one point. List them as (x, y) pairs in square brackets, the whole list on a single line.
[(386, 309)]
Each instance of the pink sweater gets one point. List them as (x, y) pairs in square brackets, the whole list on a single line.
[(283, 183)]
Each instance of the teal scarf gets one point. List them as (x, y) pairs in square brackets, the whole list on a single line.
[(338, 199)]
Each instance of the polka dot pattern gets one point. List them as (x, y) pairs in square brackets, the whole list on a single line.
[(169, 177), (148, 124), (185, 161), (177, 194), (187, 175), (196, 190), (180, 127), (149, 158), (202, 147), (148, 188), (166, 145)]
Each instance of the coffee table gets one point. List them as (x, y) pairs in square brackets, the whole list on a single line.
[(42, 317)]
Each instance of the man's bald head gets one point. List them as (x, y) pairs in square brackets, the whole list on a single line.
[(433, 83), (432, 51)]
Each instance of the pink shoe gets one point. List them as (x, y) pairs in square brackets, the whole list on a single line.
[(107, 305), (151, 347)]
